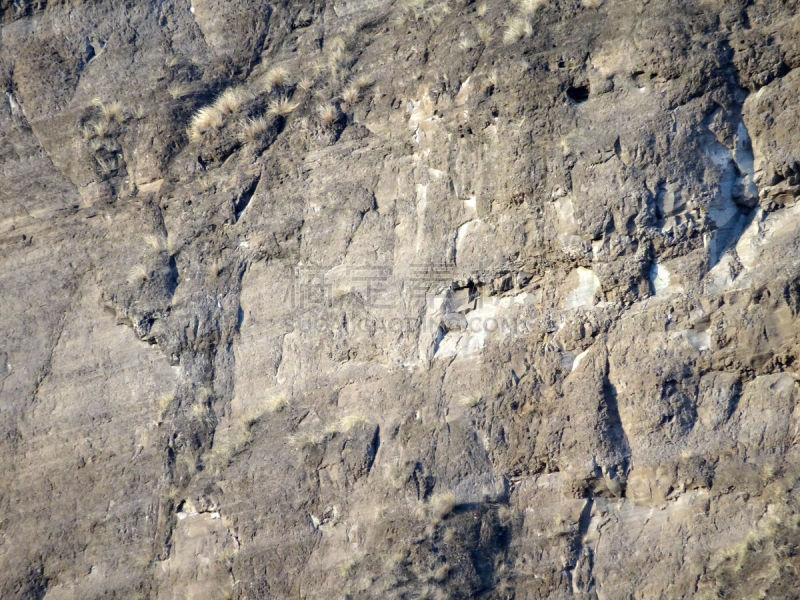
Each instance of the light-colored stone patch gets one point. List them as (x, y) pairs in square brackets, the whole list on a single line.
[(197, 566), (661, 280), (582, 285)]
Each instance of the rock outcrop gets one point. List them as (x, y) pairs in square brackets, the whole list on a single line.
[(399, 299)]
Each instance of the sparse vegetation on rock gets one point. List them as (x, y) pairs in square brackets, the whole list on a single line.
[(413, 299)]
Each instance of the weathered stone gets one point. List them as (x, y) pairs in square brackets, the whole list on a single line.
[(434, 300)]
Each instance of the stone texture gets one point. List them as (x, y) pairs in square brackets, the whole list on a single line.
[(507, 319)]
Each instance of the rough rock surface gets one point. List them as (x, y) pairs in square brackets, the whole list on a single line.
[(501, 301)]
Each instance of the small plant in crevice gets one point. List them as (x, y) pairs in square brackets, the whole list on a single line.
[(138, 274), (352, 92), (414, 9), (282, 106), (493, 79), (518, 24), (103, 119), (505, 515), (442, 504), (177, 90), (338, 60), (470, 401), (347, 423), (254, 129), (363, 81), (422, 11), (517, 27), (484, 32), (163, 404), (529, 7), (276, 403), (211, 118), (199, 410), (276, 77), (173, 61), (230, 101), (111, 112), (305, 84), (155, 241), (305, 439), (328, 114), (466, 44), (101, 128), (206, 119), (227, 444), (256, 409), (106, 165)]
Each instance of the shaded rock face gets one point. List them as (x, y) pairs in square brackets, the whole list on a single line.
[(433, 300)]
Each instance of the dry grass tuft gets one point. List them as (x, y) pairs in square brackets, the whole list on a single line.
[(276, 403), (415, 8), (436, 14), (227, 444), (347, 422), (328, 114), (254, 129), (442, 504), (255, 409), (163, 404), (335, 45), (138, 274), (351, 94), (318, 67), (177, 90), (432, 14), (305, 439), (337, 57), (305, 84), (517, 27), (470, 401), (363, 81), (112, 112), (101, 128), (482, 8), (204, 120), (276, 77), (230, 101), (155, 241), (441, 573), (282, 106), (529, 7), (484, 32), (173, 60)]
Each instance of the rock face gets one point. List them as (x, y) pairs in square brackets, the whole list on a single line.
[(414, 299)]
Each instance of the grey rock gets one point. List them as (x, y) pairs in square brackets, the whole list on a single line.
[(442, 311)]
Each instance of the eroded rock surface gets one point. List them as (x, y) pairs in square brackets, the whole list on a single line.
[(434, 300)]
